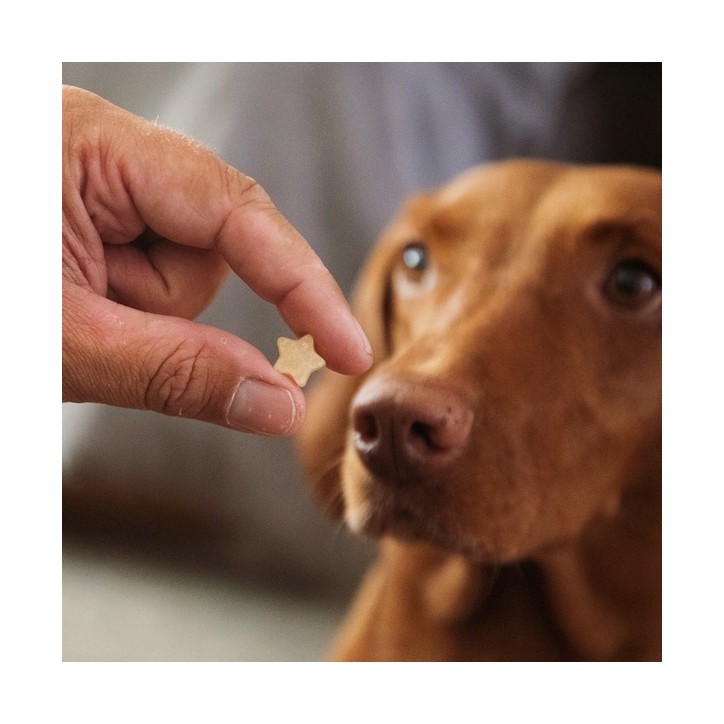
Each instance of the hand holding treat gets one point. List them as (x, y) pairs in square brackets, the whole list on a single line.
[(152, 222)]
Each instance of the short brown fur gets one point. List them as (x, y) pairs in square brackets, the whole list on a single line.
[(540, 539)]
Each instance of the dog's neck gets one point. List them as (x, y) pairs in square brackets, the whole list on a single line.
[(604, 588)]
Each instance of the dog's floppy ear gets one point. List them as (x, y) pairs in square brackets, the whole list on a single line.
[(322, 439)]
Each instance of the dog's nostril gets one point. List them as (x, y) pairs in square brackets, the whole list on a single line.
[(423, 434), (366, 428)]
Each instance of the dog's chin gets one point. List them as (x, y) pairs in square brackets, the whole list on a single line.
[(381, 517), (377, 515)]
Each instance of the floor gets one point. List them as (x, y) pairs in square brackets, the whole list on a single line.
[(117, 608)]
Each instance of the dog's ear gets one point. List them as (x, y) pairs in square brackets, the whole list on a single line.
[(322, 438)]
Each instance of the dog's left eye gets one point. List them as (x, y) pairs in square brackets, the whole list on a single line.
[(632, 284), (415, 257)]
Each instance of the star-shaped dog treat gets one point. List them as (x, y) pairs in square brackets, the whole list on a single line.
[(297, 358)]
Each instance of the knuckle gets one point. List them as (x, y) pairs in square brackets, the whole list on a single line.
[(245, 190), (181, 384)]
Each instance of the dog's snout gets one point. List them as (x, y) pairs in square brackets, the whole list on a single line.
[(404, 431)]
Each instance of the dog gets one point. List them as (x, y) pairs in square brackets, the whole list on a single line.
[(505, 447)]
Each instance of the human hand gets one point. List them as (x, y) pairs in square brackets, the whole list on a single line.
[(151, 223)]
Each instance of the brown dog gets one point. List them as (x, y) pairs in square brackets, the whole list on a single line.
[(506, 446)]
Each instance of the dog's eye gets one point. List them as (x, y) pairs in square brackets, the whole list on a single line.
[(632, 284), (415, 257)]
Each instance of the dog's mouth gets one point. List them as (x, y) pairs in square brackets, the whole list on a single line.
[(382, 512), (442, 510), (384, 517)]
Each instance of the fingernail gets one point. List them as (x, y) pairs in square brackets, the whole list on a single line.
[(262, 408), (365, 342)]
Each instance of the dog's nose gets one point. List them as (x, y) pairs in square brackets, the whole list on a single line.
[(405, 431)]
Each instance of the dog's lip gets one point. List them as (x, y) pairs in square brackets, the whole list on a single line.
[(405, 524), (378, 514), (389, 514), (382, 514)]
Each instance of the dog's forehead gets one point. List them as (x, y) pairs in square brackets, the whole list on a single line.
[(498, 194), (586, 193), (516, 193), (517, 185)]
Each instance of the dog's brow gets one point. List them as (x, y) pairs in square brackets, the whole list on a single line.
[(642, 228), (444, 224)]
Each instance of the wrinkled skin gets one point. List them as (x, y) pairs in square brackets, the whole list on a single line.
[(152, 222)]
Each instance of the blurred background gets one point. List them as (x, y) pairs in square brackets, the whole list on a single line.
[(187, 542)]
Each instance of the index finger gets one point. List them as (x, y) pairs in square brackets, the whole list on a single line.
[(267, 252), (188, 195)]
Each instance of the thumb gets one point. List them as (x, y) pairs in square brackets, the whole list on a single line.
[(124, 357)]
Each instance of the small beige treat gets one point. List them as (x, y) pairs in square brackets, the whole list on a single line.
[(297, 358)]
